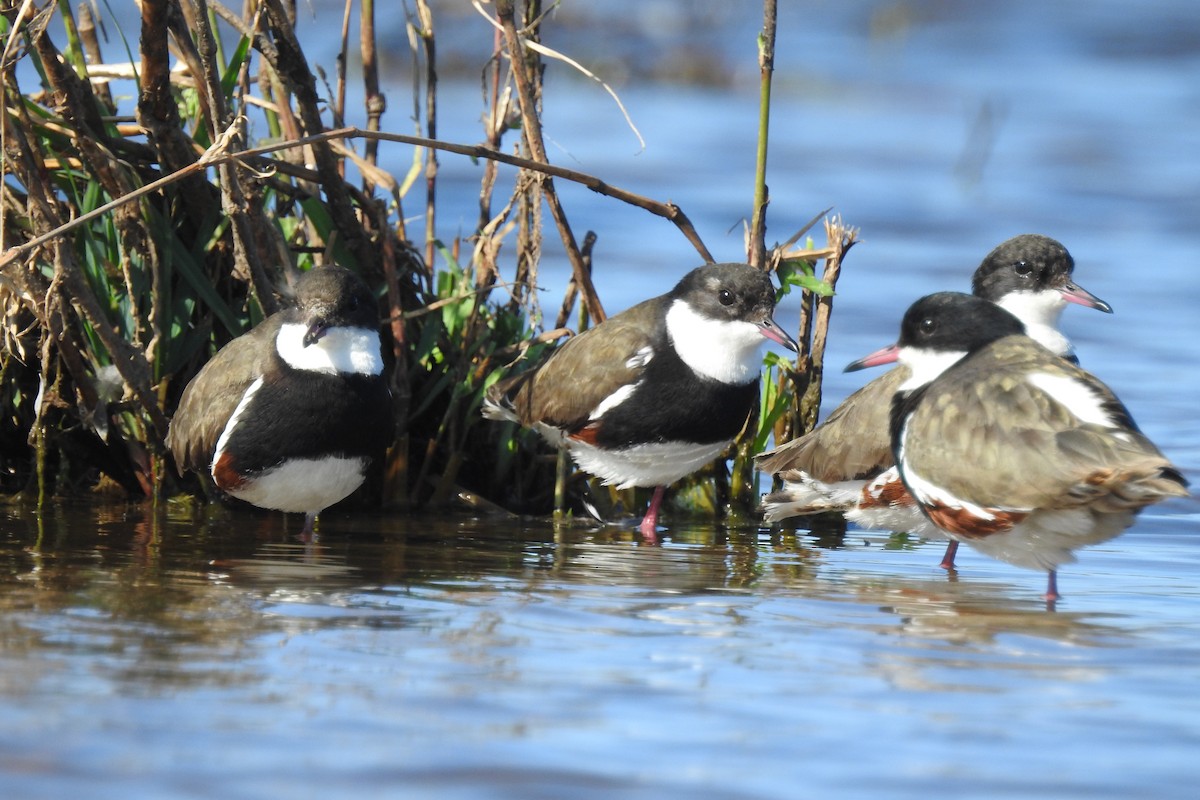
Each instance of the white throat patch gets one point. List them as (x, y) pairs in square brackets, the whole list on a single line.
[(722, 350), (1040, 312), (341, 349), (926, 365)]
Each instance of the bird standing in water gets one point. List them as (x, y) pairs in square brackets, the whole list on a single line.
[(658, 391), (846, 465), (289, 415), (1009, 448)]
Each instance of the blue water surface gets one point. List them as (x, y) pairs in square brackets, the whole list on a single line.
[(170, 654)]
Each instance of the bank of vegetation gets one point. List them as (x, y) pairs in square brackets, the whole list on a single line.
[(140, 234)]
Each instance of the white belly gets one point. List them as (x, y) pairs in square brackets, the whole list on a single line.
[(1048, 539), (654, 464), (305, 485), (898, 517)]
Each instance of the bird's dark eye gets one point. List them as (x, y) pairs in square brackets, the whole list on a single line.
[(928, 326), (1023, 268), (354, 303), (726, 297)]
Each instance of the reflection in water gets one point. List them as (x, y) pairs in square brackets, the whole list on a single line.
[(122, 622), (206, 653), (152, 590)]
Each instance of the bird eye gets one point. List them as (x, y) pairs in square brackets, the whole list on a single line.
[(1023, 268), (725, 297), (928, 325), (354, 302)]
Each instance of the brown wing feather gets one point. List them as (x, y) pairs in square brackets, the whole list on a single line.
[(990, 437), (853, 441), (211, 397), (565, 389)]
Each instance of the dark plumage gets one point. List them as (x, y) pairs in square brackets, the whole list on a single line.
[(658, 391), (845, 463), (1010, 448), (289, 415)]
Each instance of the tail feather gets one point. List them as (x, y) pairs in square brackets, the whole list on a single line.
[(495, 408), (501, 401), (1123, 489), (803, 494)]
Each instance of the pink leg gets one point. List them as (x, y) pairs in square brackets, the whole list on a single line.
[(1052, 588), (306, 534), (948, 558), (649, 526)]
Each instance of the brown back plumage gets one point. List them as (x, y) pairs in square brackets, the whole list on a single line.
[(986, 434), (852, 443), (593, 364), (210, 399)]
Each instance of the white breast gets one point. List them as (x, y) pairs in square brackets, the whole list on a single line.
[(1039, 312)]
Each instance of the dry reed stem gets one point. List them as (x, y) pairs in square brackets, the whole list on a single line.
[(541, 49), (529, 189), (757, 246), (487, 244), (429, 47), (784, 251), (376, 102), (215, 156), (840, 239), (91, 45), (817, 311), (532, 130), (564, 313), (339, 94)]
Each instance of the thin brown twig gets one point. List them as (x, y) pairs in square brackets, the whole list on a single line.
[(564, 313), (216, 156), (339, 103), (532, 129), (494, 123)]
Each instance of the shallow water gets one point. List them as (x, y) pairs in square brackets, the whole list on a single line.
[(167, 654)]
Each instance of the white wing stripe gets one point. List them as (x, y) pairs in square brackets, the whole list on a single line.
[(1079, 398)]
